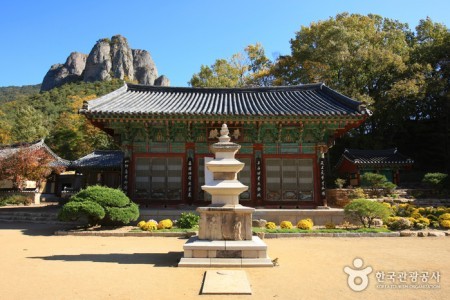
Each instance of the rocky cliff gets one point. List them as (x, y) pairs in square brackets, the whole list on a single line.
[(107, 59)]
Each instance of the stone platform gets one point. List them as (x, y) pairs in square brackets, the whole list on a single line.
[(226, 282), (225, 253)]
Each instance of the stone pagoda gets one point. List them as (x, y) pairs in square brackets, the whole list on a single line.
[(225, 229)]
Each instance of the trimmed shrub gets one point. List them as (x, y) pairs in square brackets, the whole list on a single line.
[(100, 205), (92, 212), (304, 224), (188, 220), (165, 224), (102, 195), (121, 215), (365, 211), (271, 225), (286, 225), (435, 180)]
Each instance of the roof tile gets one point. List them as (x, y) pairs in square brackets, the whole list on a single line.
[(300, 100)]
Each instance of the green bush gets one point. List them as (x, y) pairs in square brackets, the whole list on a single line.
[(188, 220), (366, 211), (100, 205), (377, 181), (400, 224), (435, 180), (16, 199), (121, 215), (91, 211), (106, 197)]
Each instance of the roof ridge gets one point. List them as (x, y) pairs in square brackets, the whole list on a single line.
[(143, 87)]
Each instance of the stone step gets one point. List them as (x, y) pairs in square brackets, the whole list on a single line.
[(46, 221), (29, 217)]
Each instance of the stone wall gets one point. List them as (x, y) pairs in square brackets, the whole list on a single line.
[(319, 216), (337, 197)]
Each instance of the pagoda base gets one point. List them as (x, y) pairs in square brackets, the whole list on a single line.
[(223, 253)]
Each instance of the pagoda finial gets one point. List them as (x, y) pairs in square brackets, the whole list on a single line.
[(224, 134)]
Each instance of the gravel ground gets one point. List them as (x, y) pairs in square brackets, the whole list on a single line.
[(35, 264)]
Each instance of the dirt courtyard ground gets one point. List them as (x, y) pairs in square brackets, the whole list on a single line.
[(35, 264)]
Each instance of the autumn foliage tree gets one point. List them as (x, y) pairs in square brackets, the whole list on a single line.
[(27, 164), (243, 69)]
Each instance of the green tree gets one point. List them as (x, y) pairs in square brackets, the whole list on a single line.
[(366, 211), (403, 76), (55, 114), (5, 130), (29, 124), (359, 56), (248, 68)]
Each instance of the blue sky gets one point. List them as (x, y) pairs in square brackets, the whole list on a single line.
[(180, 35)]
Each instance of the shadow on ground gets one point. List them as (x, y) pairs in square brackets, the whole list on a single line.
[(169, 259), (33, 229)]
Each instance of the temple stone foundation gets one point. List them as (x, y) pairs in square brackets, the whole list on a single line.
[(225, 228)]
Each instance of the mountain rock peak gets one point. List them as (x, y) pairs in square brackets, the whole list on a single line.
[(109, 58)]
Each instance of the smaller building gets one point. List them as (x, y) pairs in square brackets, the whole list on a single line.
[(102, 167), (50, 185), (389, 162)]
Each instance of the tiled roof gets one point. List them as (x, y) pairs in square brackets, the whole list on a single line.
[(99, 159), (8, 150), (376, 157), (307, 100)]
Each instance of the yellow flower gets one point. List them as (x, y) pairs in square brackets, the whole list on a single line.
[(304, 224), (141, 224), (286, 225), (271, 225), (165, 224)]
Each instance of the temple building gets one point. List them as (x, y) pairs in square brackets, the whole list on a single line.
[(50, 185), (165, 133), (388, 162)]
